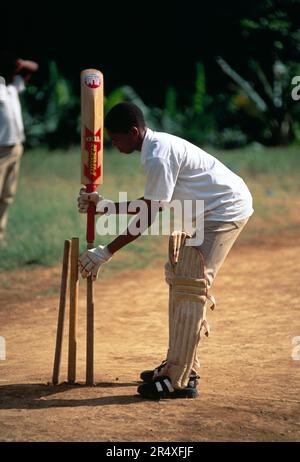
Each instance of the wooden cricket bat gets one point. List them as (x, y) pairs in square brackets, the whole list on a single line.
[(91, 176), (91, 130)]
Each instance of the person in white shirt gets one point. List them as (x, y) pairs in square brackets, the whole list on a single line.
[(13, 74), (175, 169)]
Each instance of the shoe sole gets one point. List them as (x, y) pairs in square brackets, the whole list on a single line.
[(190, 393)]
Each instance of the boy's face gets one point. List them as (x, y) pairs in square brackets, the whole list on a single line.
[(124, 142)]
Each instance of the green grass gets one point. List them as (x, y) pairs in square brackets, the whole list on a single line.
[(44, 213), (256, 160)]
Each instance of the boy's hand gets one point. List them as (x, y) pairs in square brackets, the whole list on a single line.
[(103, 206), (91, 261), (84, 199)]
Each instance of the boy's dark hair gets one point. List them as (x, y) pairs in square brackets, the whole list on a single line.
[(122, 117)]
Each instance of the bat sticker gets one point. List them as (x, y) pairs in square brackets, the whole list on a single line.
[(92, 80)]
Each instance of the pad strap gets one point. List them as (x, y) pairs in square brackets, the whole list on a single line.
[(192, 289)]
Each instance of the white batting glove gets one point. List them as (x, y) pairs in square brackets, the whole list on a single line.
[(91, 261), (103, 206), (84, 199)]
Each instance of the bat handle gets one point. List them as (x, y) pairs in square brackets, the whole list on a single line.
[(90, 228)]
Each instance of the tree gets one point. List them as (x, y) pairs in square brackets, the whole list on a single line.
[(269, 96)]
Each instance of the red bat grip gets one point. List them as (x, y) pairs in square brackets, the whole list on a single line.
[(90, 225)]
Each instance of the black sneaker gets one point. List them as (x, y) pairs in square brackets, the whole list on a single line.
[(149, 375), (161, 388)]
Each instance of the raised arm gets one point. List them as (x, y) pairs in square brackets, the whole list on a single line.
[(25, 68)]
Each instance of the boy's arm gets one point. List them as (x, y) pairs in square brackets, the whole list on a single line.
[(92, 260), (137, 227), (104, 206), (25, 68), (122, 207)]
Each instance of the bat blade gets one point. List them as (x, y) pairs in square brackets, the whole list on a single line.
[(92, 128)]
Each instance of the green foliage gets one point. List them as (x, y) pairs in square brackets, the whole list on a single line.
[(268, 101), (276, 21), (256, 105), (115, 97), (198, 122), (171, 101), (200, 92), (192, 119), (228, 138), (261, 105), (51, 112), (127, 93)]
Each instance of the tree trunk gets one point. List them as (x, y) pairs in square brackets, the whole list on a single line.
[(282, 132)]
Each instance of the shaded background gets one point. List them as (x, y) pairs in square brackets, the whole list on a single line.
[(149, 46), (155, 49)]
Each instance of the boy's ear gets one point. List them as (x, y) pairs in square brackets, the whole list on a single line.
[(133, 130)]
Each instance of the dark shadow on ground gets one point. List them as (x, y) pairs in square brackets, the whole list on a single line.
[(36, 396)]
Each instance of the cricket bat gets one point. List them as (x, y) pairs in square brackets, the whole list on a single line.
[(91, 176)]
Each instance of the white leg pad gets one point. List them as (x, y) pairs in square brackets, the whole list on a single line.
[(188, 296)]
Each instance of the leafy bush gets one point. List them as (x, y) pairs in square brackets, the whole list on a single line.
[(193, 121), (228, 138), (51, 112)]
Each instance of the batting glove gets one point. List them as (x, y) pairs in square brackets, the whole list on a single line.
[(102, 205), (85, 199), (91, 261)]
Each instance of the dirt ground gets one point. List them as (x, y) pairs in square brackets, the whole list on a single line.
[(249, 382)]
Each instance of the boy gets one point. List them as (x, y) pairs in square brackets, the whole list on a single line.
[(175, 169)]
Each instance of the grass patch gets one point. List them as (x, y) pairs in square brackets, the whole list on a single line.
[(44, 213)]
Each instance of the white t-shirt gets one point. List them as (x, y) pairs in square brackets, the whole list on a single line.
[(177, 169), (11, 122)]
